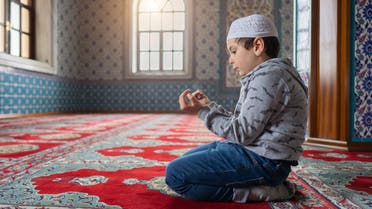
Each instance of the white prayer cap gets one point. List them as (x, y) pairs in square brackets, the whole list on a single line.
[(252, 26)]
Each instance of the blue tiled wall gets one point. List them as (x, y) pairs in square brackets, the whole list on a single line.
[(22, 93), (145, 96)]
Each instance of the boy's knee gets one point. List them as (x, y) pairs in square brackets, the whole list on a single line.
[(171, 174), (173, 177)]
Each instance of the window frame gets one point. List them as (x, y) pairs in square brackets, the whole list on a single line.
[(299, 50), (132, 46), (44, 59), (10, 28)]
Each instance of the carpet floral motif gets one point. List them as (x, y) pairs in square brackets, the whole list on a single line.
[(122, 165)]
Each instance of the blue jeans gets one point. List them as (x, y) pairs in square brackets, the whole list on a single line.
[(211, 171)]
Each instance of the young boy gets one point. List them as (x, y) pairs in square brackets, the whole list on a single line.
[(264, 134)]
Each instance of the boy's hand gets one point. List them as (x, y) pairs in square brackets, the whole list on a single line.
[(201, 97), (192, 102)]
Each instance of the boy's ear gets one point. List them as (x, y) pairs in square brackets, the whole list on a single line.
[(258, 46)]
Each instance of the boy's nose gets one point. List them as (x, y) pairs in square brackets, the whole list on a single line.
[(231, 60)]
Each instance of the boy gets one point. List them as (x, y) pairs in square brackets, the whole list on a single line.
[(264, 134)]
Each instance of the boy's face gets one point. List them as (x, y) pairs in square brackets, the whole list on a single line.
[(243, 60)]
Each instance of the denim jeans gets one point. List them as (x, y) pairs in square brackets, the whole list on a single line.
[(211, 171)]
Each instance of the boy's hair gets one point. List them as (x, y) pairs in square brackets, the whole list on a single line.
[(272, 45)]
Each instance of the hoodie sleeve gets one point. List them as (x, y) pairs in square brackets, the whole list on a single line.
[(263, 97)]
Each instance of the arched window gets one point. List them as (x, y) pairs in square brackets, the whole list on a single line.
[(161, 39)]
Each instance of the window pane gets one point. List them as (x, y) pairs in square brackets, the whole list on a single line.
[(154, 60), (25, 20), (178, 60), (168, 7), (14, 43), (305, 22), (145, 6), (179, 21), (160, 4), (178, 41), (167, 41), (144, 22), (144, 61), (155, 21), (154, 42), (151, 5), (167, 60), (25, 46), (303, 40), (26, 2), (2, 38), (167, 21), (2, 9), (144, 41), (304, 61), (14, 15), (178, 5)]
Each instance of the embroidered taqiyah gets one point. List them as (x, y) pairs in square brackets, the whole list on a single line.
[(252, 26)]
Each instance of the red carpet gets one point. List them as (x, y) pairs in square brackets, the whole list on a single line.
[(118, 161)]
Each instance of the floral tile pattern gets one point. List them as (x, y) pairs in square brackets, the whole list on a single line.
[(362, 130)]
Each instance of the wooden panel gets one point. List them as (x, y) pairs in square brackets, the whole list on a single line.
[(314, 81), (327, 92), (344, 58), (330, 70), (328, 143), (329, 119)]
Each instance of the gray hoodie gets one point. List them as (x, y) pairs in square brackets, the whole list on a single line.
[(270, 117)]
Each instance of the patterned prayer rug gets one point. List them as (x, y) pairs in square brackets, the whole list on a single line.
[(118, 161)]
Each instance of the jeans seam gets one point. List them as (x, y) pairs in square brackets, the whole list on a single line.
[(259, 180)]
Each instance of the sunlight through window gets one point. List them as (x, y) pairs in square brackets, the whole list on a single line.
[(159, 36)]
